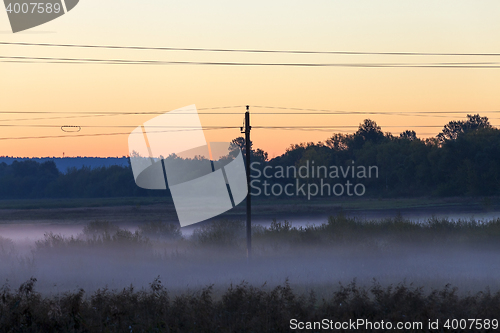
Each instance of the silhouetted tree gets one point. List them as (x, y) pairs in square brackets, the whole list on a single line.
[(408, 135), (338, 142), (463, 160), (453, 129), (368, 131), (258, 155)]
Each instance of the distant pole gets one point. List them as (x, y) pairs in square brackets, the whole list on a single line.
[(249, 197)]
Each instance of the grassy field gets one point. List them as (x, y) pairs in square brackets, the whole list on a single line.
[(218, 249), (149, 209), (392, 269), (81, 202), (345, 203)]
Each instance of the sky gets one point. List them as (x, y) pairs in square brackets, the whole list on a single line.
[(449, 26)]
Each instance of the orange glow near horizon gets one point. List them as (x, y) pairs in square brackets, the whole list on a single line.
[(392, 26)]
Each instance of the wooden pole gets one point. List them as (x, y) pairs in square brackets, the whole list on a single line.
[(249, 197)]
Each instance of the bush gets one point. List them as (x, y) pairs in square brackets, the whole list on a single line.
[(97, 229), (95, 234), (56, 241), (7, 247), (241, 308), (224, 233), (161, 230)]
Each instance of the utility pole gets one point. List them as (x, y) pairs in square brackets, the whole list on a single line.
[(249, 197)]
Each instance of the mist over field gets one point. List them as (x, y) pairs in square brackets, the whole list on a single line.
[(123, 265), (363, 139), (108, 232), (101, 254)]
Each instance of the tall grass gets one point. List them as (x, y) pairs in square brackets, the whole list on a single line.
[(120, 237), (241, 308), (6, 247), (341, 230), (161, 230), (224, 233), (283, 235)]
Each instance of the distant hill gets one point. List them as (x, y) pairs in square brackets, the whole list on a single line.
[(63, 163)]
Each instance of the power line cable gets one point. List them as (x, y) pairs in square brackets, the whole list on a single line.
[(327, 111), (246, 50), (293, 128), (123, 113), (425, 114), (309, 111), (92, 114), (223, 127), (100, 134), (22, 59), (324, 129), (389, 113), (113, 126), (254, 114), (348, 126)]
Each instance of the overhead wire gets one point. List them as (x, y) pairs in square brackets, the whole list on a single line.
[(214, 127), (102, 134), (115, 126), (25, 59), (129, 47), (22, 59), (326, 111), (297, 111), (289, 128)]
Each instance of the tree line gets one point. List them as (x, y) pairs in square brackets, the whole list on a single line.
[(30, 180), (463, 159)]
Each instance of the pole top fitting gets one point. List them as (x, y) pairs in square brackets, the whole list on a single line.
[(248, 107)]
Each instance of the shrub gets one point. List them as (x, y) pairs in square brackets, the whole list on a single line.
[(241, 308), (223, 233), (126, 237), (7, 247), (99, 229), (57, 241), (280, 227), (161, 230), (95, 234)]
